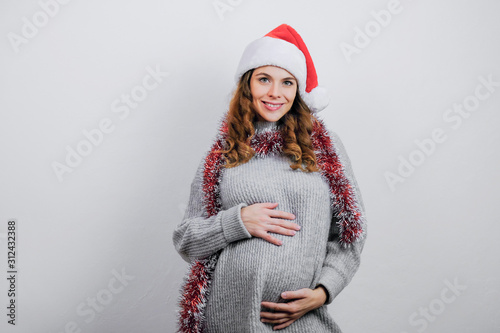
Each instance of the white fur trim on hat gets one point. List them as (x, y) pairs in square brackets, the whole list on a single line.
[(317, 99)]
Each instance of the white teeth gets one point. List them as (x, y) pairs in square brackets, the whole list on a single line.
[(272, 105)]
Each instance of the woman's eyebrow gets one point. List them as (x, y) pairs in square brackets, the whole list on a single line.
[(286, 78)]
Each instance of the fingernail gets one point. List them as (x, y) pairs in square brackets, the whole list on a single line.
[(293, 232), (298, 227), (283, 295)]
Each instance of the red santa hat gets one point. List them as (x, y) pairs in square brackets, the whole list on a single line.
[(283, 47)]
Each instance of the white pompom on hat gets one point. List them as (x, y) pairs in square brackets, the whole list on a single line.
[(283, 47)]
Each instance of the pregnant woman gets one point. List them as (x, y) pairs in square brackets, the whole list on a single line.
[(275, 223)]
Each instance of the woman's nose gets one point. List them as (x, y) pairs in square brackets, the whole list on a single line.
[(274, 91)]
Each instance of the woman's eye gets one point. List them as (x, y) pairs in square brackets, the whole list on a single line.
[(288, 83), (264, 80)]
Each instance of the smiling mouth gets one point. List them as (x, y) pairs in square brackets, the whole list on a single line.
[(271, 106)]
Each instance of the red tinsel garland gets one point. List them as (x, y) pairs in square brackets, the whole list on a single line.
[(344, 202), (197, 286)]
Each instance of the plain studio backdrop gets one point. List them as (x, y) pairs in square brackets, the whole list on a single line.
[(108, 106)]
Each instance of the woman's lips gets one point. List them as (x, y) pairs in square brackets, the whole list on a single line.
[(272, 106)]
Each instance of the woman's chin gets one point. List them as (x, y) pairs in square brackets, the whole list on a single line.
[(271, 117)]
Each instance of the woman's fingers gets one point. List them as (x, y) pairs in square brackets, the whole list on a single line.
[(285, 224), (269, 208), (275, 315), (279, 227), (261, 219), (280, 307), (303, 301), (285, 324), (281, 214), (279, 319), (275, 321), (267, 237), (270, 205), (280, 230)]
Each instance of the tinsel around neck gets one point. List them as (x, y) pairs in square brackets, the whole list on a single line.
[(268, 140)]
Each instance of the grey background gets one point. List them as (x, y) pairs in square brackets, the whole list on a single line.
[(115, 212)]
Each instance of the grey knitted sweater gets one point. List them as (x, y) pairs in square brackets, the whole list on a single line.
[(251, 270)]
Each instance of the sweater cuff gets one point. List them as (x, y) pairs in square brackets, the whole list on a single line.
[(333, 283), (233, 226)]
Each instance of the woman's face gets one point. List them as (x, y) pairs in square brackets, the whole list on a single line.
[(273, 91)]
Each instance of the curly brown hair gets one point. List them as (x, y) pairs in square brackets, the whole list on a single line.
[(296, 127)]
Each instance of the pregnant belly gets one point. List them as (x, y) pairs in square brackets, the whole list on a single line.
[(267, 270)]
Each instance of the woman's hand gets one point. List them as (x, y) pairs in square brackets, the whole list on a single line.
[(304, 301), (261, 218)]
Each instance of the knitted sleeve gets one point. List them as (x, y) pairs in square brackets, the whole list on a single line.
[(341, 263), (199, 236)]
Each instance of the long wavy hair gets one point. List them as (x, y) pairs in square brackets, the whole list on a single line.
[(296, 127)]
